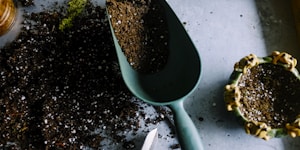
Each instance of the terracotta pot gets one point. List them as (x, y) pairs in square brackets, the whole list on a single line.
[(7, 15)]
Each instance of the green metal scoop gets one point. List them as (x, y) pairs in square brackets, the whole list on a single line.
[(174, 83)]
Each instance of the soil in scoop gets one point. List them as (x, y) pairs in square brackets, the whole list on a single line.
[(270, 94), (141, 29)]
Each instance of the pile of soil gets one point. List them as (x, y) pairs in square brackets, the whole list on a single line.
[(63, 90), (141, 29), (270, 94)]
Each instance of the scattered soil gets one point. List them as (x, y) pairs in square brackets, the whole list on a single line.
[(63, 90), (270, 93), (141, 29), (26, 2)]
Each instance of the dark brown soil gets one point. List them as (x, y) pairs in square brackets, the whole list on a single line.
[(26, 2), (270, 94), (63, 90), (141, 29)]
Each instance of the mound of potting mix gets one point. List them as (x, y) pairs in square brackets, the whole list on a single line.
[(141, 29), (63, 89)]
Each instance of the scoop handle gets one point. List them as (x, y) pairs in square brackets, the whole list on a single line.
[(187, 133)]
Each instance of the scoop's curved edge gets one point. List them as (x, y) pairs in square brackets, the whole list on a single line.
[(160, 86)]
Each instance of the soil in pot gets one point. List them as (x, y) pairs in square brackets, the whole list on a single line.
[(269, 94), (141, 29)]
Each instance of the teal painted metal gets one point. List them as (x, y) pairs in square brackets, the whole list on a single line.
[(174, 83)]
